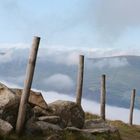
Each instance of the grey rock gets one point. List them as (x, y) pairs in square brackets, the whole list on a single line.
[(99, 123), (70, 113), (7, 98), (35, 98), (50, 119), (38, 111), (54, 137), (34, 127), (5, 128)]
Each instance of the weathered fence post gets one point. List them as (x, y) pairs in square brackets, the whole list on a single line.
[(132, 103), (80, 80), (27, 85), (103, 97)]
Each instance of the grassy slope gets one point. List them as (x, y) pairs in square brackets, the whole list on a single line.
[(127, 132)]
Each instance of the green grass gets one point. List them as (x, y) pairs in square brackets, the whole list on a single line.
[(126, 132)]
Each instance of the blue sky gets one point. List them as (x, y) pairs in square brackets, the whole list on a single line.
[(86, 23)]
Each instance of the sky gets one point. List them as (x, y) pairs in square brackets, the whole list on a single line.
[(73, 23)]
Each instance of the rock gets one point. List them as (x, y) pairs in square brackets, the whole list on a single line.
[(50, 119), (35, 98), (34, 127), (70, 113), (10, 114), (38, 111), (9, 105), (7, 98), (99, 123), (54, 137), (99, 126), (95, 133), (5, 128)]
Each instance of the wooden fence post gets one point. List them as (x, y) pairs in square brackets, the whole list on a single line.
[(103, 97), (27, 85), (132, 103), (80, 80)]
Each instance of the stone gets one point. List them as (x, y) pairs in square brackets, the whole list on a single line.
[(38, 111), (70, 113), (9, 105), (34, 127), (54, 137), (50, 119), (5, 128), (7, 98), (94, 133), (35, 98), (99, 126), (98, 123), (10, 114)]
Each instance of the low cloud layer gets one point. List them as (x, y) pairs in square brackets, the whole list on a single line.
[(59, 82), (112, 63)]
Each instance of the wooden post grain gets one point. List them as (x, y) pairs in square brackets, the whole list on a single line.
[(27, 85), (132, 103), (103, 97), (80, 80)]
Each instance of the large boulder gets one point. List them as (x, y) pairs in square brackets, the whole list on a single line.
[(7, 98), (5, 128), (9, 103), (70, 113)]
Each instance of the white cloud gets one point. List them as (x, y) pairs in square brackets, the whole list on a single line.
[(113, 63), (112, 18), (59, 82)]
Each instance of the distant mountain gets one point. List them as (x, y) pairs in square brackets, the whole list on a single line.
[(2, 53), (123, 74)]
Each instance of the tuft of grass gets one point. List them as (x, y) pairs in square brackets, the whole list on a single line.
[(89, 116)]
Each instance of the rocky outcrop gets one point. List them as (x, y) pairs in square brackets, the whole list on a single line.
[(53, 121)]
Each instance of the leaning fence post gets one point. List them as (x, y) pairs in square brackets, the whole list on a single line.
[(103, 97), (132, 103), (27, 85), (80, 80)]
